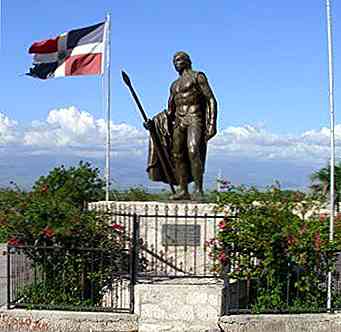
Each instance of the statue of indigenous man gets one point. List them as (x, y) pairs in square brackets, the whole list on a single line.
[(184, 130)]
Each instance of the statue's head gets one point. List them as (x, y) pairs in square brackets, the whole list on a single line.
[(181, 61)]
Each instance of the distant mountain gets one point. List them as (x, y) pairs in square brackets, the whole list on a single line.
[(262, 173), (130, 171)]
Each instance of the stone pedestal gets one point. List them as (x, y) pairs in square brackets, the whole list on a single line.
[(177, 232), (181, 305), (176, 237)]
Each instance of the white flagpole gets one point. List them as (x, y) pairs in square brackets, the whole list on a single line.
[(332, 141), (107, 74)]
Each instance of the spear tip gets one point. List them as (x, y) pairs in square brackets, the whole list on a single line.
[(126, 78)]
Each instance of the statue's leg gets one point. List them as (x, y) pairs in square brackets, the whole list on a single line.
[(195, 143), (181, 168)]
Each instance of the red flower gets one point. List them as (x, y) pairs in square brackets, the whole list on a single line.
[(222, 224), (48, 232), (291, 240), (13, 241), (44, 188), (222, 258), (117, 227)]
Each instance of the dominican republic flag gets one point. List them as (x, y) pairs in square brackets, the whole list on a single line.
[(77, 52)]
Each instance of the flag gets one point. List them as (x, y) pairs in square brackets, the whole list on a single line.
[(77, 52)]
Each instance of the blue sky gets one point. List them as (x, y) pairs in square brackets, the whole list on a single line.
[(266, 62)]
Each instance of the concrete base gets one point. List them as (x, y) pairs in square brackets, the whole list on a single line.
[(56, 321), (186, 305), (281, 323)]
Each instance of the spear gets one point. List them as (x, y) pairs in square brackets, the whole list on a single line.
[(161, 153)]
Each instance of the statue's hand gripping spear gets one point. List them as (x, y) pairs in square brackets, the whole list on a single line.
[(149, 125)]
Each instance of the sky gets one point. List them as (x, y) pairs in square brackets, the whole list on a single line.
[(266, 62)]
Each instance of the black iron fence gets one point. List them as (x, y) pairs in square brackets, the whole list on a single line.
[(91, 279), (162, 245), (59, 278), (247, 295), (3, 276)]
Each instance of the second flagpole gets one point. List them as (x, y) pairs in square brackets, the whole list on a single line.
[(332, 142), (106, 78)]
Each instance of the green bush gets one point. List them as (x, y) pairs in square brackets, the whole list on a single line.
[(54, 215), (12, 205), (279, 239)]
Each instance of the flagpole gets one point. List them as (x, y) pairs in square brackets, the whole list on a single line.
[(332, 141), (107, 74)]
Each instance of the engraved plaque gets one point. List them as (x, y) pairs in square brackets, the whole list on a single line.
[(181, 235)]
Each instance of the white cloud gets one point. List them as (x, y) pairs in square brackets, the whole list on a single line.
[(322, 136), (63, 127), (256, 142), (71, 130), (79, 131), (8, 130), (248, 153)]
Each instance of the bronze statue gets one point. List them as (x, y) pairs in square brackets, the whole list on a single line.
[(193, 109), (179, 135)]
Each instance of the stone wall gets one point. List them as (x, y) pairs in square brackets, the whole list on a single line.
[(189, 312), (281, 323), (57, 321)]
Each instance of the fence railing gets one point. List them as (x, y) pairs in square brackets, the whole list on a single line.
[(168, 245), (90, 279), (162, 244), (248, 295)]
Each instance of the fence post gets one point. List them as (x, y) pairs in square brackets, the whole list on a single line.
[(288, 284), (134, 260), (225, 296), (8, 277)]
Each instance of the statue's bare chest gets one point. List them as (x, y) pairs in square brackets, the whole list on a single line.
[(185, 85)]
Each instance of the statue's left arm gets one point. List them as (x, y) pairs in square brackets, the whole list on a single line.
[(211, 104)]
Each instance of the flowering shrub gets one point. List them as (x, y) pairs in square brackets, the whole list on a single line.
[(53, 215), (12, 203), (280, 240)]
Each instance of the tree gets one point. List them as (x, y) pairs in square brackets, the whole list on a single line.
[(12, 203), (321, 183), (76, 185)]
